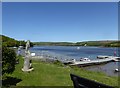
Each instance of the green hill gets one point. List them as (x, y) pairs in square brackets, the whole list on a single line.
[(106, 43), (10, 42)]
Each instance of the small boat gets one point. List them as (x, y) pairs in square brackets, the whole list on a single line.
[(32, 54), (116, 58), (84, 59), (116, 70), (20, 46), (14, 47), (78, 48), (102, 57)]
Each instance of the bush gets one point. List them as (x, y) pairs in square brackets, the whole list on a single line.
[(8, 60), (58, 63)]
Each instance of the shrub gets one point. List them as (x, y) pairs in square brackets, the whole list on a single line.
[(8, 60), (58, 63)]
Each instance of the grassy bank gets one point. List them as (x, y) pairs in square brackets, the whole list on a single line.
[(49, 74)]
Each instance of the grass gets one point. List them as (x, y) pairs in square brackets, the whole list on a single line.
[(49, 74)]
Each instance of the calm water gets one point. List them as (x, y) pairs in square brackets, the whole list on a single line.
[(72, 52)]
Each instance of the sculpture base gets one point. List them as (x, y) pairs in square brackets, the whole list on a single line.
[(31, 69)]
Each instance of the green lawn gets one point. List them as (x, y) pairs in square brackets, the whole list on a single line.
[(49, 74)]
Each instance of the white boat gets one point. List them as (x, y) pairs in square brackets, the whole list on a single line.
[(20, 46), (78, 48), (102, 57), (84, 59), (116, 58), (116, 70), (14, 47), (32, 54), (113, 57)]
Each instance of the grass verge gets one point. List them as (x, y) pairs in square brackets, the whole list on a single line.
[(49, 74)]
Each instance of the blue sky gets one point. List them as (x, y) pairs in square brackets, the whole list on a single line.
[(60, 22)]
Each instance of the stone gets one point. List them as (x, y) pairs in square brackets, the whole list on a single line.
[(27, 64)]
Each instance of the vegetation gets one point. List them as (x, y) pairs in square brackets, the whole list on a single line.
[(54, 43), (49, 74), (8, 60), (10, 42), (87, 43), (8, 55), (101, 43)]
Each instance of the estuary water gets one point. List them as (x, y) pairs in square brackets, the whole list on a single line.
[(75, 52)]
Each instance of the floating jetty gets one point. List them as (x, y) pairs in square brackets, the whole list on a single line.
[(92, 62), (97, 61), (100, 59), (113, 57)]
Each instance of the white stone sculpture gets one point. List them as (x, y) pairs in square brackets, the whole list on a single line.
[(27, 64)]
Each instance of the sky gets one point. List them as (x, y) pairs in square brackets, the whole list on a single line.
[(60, 21)]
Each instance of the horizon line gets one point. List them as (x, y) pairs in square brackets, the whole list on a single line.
[(62, 41)]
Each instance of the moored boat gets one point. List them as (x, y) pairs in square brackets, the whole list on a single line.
[(84, 59), (116, 70)]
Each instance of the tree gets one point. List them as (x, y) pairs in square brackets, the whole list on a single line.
[(8, 60), (10, 42)]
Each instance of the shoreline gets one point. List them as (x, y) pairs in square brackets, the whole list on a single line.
[(50, 56), (94, 68), (54, 71)]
